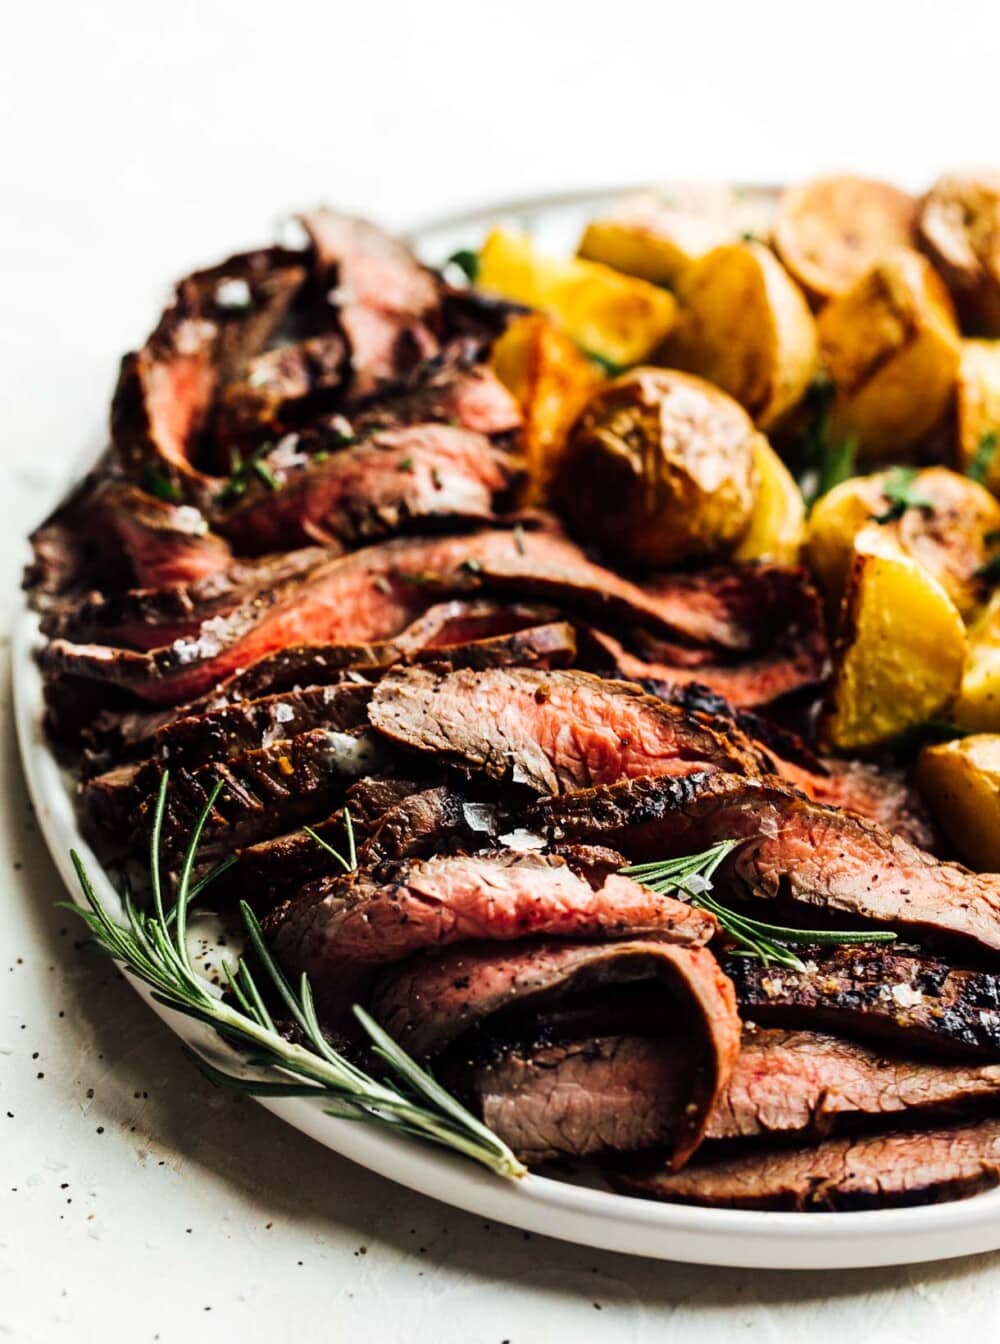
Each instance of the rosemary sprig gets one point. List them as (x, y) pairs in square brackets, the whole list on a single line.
[(692, 875), (240, 477), (982, 459), (153, 947), (900, 491)]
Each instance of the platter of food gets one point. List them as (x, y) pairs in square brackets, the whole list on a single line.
[(523, 701)]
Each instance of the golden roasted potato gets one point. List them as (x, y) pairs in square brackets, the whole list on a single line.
[(660, 467), (777, 528), (745, 326), (960, 782), (900, 651), (978, 412), (551, 378), (978, 703), (616, 317), (891, 346), (656, 237), (829, 231), (960, 231), (935, 516)]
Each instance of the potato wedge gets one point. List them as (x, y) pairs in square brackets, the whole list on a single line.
[(891, 346), (978, 704), (960, 782), (829, 231), (745, 326), (656, 237), (949, 537), (660, 468), (777, 528), (900, 651), (551, 378), (978, 412), (616, 317), (960, 231)]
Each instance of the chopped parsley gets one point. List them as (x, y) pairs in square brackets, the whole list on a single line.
[(901, 493), (982, 459), (159, 484), (467, 262)]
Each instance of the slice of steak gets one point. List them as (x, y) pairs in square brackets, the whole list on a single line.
[(873, 994), (879, 1171), (582, 1098), (451, 390), (338, 930), (553, 732), (282, 388), (369, 595), (804, 1082), (264, 791), (110, 534), (432, 1001), (149, 618), (398, 805), (813, 863), (755, 682), (395, 480), (219, 319), (387, 303), (112, 797)]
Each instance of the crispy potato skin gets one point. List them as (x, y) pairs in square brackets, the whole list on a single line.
[(777, 528), (949, 539), (829, 231), (891, 345), (745, 326), (615, 316), (978, 410), (657, 239), (660, 468), (900, 652), (960, 782), (551, 379), (960, 231)]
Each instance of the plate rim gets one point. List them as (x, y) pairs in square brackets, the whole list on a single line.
[(601, 1219)]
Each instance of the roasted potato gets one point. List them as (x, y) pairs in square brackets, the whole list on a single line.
[(616, 317), (829, 231), (660, 468), (777, 528), (978, 412), (960, 231), (900, 650), (960, 782), (745, 326), (891, 345), (656, 237), (978, 703), (551, 378), (945, 527)]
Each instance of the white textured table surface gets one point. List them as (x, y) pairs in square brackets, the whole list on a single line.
[(135, 1202)]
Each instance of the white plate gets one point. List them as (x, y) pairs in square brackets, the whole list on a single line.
[(573, 1212)]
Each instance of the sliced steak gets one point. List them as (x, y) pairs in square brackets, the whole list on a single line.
[(554, 732), (264, 791), (282, 388), (112, 797), (813, 863), (110, 534), (450, 390), (149, 618), (922, 1167), (220, 318), (337, 929), (387, 303), (396, 480), (431, 1002), (878, 995), (803, 1082)]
